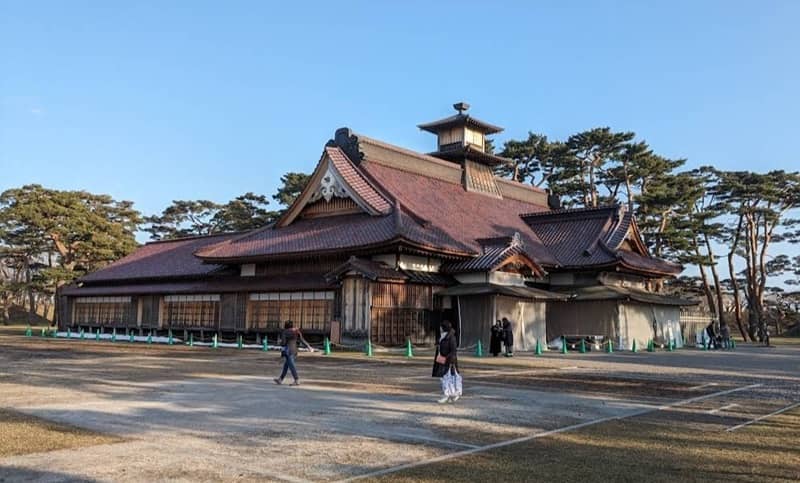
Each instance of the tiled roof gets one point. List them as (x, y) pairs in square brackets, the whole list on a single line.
[(307, 235), (451, 214), (428, 212), (360, 185), (172, 258), (492, 257), (471, 152), (586, 237), (368, 268), (460, 120), (210, 284)]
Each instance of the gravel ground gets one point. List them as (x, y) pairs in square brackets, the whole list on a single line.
[(214, 415)]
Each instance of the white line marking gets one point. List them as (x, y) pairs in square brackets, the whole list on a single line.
[(723, 408), (782, 410), (702, 386), (530, 437), (445, 442)]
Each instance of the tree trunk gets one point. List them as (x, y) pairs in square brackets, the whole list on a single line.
[(706, 288), (734, 282), (713, 264)]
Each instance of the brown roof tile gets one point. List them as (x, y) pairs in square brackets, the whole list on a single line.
[(307, 235), (170, 258), (455, 215), (357, 182), (585, 237)]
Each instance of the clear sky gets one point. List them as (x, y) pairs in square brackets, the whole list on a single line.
[(162, 100)]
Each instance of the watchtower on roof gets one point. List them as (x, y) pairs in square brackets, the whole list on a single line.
[(463, 136), (462, 140)]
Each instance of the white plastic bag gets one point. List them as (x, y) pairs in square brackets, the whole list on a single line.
[(457, 386), (452, 384)]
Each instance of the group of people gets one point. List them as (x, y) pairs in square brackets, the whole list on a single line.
[(721, 340), (502, 336)]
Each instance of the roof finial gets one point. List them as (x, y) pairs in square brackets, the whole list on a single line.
[(461, 107)]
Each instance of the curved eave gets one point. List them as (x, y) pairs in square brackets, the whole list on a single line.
[(616, 265), (403, 242)]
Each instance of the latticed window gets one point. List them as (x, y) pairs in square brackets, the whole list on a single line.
[(101, 310), (308, 310), (191, 310), (401, 311)]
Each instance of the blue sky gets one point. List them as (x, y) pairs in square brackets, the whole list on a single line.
[(155, 101)]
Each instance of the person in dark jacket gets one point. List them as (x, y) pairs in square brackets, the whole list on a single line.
[(289, 338), (446, 358), (508, 337), (496, 341), (712, 336)]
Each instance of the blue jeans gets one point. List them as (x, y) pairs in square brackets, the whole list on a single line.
[(288, 365)]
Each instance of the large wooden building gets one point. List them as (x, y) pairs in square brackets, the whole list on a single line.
[(383, 244)]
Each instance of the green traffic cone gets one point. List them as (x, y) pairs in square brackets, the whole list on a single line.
[(326, 347), (369, 348), (170, 341), (82, 336), (479, 349), (131, 337), (215, 344), (669, 345), (97, 335), (563, 345), (583, 346), (114, 335), (409, 350), (28, 332), (150, 337), (69, 333), (538, 347), (610, 347), (633, 349), (191, 339), (265, 344), (239, 341), (651, 346), (43, 332)]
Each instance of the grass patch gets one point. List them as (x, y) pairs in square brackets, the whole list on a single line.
[(23, 434), (635, 450)]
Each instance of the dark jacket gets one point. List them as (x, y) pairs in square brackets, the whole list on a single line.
[(289, 338), (508, 334), (496, 340), (448, 347)]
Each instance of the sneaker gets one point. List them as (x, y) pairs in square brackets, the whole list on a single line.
[(295, 383), (454, 399), (444, 400), (278, 381)]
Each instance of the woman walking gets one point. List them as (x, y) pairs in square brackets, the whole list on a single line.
[(445, 362), (497, 338), (289, 339), (508, 337)]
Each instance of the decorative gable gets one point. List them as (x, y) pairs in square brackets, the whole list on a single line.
[(335, 188), (329, 186)]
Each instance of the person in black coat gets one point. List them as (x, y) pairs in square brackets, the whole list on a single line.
[(446, 357), (496, 341), (508, 337)]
